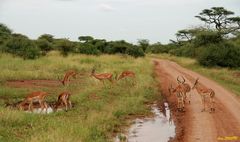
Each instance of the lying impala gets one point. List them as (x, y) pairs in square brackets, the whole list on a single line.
[(178, 93), (34, 97), (64, 100), (68, 75), (126, 74), (103, 76), (186, 88), (205, 93)]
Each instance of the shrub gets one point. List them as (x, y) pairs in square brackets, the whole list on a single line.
[(225, 55), (204, 38), (44, 45), (88, 49), (23, 47), (65, 46), (135, 51)]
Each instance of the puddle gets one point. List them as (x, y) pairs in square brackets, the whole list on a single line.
[(157, 129), (38, 110)]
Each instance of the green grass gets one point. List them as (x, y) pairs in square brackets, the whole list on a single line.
[(224, 76), (91, 120)]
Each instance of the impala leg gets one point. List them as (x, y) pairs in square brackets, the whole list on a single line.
[(66, 104), (189, 98), (42, 106), (30, 106), (203, 103), (70, 104)]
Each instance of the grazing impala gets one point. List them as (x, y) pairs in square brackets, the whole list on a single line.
[(103, 76), (126, 74), (205, 93), (68, 74), (34, 97), (178, 93), (64, 100), (186, 88)]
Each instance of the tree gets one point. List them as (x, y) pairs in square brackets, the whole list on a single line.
[(85, 38), (44, 45), (22, 46), (143, 43), (65, 46), (5, 33), (47, 37), (217, 16)]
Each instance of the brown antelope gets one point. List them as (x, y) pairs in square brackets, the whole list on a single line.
[(178, 93), (68, 74), (103, 76), (126, 74), (64, 100), (34, 97), (205, 93), (186, 88)]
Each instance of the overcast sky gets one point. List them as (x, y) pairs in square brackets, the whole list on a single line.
[(156, 20)]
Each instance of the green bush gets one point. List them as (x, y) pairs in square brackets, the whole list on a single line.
[(204, 38), (88, 49), (135, 51), (224, 55), (22, 46), (65, 46), (44, 45), (187, 50)]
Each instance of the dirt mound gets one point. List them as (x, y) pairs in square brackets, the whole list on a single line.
[(33, 83)]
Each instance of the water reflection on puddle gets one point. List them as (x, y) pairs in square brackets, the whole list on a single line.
[(157, 129), (38, 111)]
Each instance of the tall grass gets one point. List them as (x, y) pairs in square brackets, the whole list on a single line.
[(99, 111), (227, 77)]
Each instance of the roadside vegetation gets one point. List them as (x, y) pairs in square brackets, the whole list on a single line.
[(99, 110)]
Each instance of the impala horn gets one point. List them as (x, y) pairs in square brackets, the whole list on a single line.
[(183, 79)]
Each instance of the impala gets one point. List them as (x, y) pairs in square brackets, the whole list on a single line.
[(186, 88), (68, 74), (103, 76), (126, 74), (64, 100), (34, 97), (205, 93), (178, 93)]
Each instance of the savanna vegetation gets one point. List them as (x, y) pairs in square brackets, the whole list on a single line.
[(217, 43), (99, 110)]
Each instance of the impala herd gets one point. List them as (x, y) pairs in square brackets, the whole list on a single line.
[(64, 97), (182, 93)]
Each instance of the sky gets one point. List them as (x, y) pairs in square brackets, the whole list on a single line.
[(130, 20)]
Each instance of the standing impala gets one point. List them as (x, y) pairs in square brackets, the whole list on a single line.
[(186, 88), (126, 74), (64, 100), (205, 93), (103, 76), (34, 97), (178, 93), (68, 74)]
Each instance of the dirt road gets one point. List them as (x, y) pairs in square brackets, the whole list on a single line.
[(194, 125)]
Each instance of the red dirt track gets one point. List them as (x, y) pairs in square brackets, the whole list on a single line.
[(194, 125)]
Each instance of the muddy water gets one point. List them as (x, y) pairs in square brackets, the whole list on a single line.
[(160, 128), (38, 110)]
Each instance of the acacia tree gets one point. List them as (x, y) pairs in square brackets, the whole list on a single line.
[(143, 43), (220, 18)]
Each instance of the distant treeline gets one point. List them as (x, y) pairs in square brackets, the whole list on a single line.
[(215, 44)]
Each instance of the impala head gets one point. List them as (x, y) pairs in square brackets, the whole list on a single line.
[(179, 81), (195, 83)]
